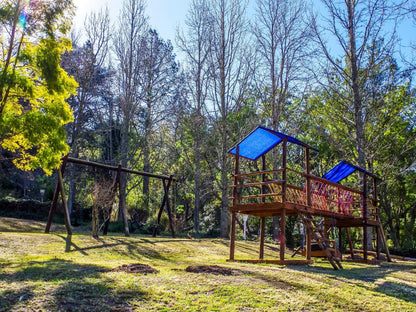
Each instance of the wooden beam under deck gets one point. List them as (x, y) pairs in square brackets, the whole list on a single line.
[(281, 262), (275, 208)]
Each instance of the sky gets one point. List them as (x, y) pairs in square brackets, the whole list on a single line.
[(165, 15)]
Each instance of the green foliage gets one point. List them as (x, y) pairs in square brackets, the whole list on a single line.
[(34, 88), (389, 132)]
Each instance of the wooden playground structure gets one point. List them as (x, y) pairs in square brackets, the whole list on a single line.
[(116, 186), (320, 202)]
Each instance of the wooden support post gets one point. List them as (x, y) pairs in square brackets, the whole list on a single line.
[(284, 172), (262, 232), (383, 238), (263, 176), (377, 243), (365, 217), (282, 234), (235, 201), (377, 216), (114, 189), (165, 201), (232, 236), (66, 213), (308, 244), (166, 188), (340, 241), (123, 203), (54, 203), (308, 179), (283, 212), (350, 242), (262, 219)]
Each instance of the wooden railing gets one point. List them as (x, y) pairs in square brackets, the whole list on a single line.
[(323, 194)]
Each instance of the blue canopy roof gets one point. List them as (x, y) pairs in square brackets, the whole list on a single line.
[(260, 141), (343, 170)]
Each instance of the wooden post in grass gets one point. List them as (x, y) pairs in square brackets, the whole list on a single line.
[(166, 202), (283, 212), (122, 204), (166, 187), (235, 201), (114, 188), (54, 203), (263, 199), (308, 246), (66, 213)]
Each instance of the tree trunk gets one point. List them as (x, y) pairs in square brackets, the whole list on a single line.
[(123, 179), (358, 107)]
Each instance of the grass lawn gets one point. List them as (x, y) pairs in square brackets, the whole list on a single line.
[(50, 272)]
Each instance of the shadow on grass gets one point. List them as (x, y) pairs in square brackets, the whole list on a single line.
[(52, 270), (370, 274), (130, 249), (10, 298), (74, 287), (95, 295)]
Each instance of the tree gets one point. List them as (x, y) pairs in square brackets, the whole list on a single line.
[(284, 37), (229, 66), (132, 25), (355, 26), (156, 78), (196, 46), (86, 64), (389, 132), (33, 86)]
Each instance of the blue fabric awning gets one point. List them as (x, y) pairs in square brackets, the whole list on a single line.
[(343, 170), (260, 141)]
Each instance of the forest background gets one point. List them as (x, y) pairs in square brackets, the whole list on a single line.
[(340, 79)]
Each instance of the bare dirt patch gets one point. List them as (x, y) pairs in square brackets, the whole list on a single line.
[(211, 269), (136, 268)]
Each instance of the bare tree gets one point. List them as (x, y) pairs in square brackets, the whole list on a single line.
[(196, 46), (284, 36), (229, 72), (85, 63), (127, 41), (355, 26), (156, 78)]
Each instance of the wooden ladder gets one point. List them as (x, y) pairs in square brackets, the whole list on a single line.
[(318, 234)]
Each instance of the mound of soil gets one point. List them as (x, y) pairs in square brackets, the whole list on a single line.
[(136, 268), (211, 269)]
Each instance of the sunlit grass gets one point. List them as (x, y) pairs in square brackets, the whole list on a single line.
[(47, 272)]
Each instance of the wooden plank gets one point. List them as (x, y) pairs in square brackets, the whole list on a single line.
[(241, 175), (285, 262), (256, 196), (115, 168), (257, 184)]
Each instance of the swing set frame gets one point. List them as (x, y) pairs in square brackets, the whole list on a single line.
[(59, 190)]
